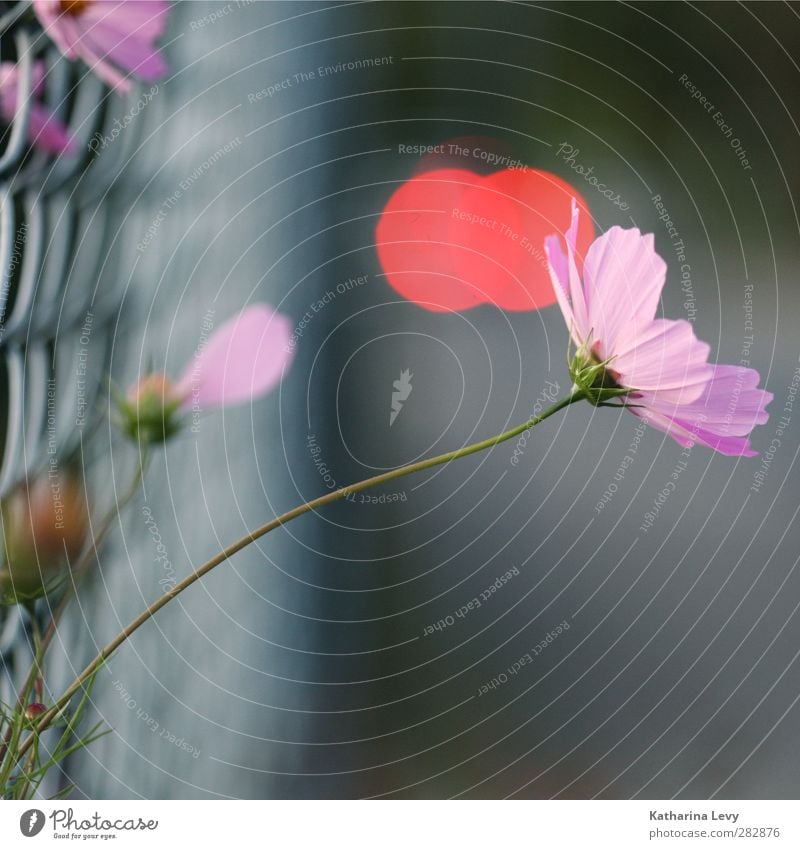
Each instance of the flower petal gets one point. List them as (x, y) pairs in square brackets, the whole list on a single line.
[(104, 69), (109, 34), (729, 408), (566, 279), (145, 19), (243, 359), (623, 279), (58, 27), (47, 132), (687, 436), (667, 359), (127, 51)]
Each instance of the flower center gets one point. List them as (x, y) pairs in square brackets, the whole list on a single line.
[(73, 8)]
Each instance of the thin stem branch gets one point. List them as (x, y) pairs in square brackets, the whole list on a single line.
[(38, 689), (237, 546), (82, 566), (78, 573), (8, 758), (38, 657), (31, 685)]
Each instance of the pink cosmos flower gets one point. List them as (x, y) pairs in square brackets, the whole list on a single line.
[(241, 360), (655, 367), (44, 130), (116, 38)]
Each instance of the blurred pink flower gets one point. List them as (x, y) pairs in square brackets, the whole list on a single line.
[(654, 366), (242, 359), (116, 38), (44, 130)]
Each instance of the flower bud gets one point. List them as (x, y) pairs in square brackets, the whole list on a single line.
[(44, 527), (150, 412), (34, 711)]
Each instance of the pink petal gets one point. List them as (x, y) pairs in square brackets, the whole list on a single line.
[(687, 436), (104, 69), (731, 446), (243, 359), (666, 358), (44, 130), (38, 75), (566, 279), (128, 51), (62, 29), (105, 34), (623, 279), (147, 19), (10, 78), (47, 132), (729, 408)]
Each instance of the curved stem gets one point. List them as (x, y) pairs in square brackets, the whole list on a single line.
[(82, 566), (237, 546)]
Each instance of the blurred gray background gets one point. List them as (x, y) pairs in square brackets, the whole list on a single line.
[(301, 669)]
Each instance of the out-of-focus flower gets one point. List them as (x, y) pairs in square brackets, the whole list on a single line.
[(44, 129), (654, 366), (150, 412), (241, 360), (116, 38), (34, 710), (450, 239), (45, 524)]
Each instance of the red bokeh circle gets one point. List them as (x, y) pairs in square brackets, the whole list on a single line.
[(450, 239)]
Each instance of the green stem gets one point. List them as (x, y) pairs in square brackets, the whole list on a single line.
[(38, 657), (38, 689), (237, 546), (8, 758)]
